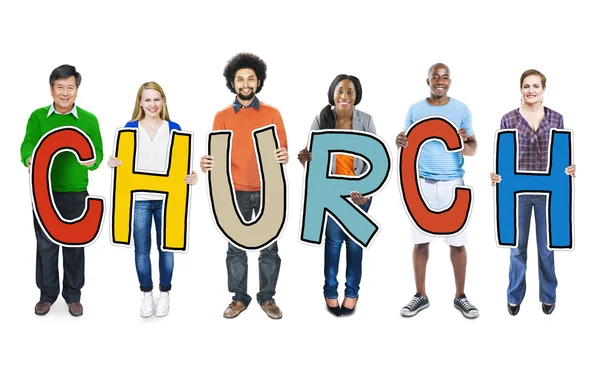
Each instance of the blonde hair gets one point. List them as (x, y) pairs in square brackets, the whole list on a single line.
[(138, 112)]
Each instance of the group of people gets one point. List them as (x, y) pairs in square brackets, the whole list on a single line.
[(439, 172)]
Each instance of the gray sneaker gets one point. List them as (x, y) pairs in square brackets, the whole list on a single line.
[(416, 304), (465, 307)]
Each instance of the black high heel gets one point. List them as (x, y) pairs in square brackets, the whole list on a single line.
[(333, 310), (345, 311)]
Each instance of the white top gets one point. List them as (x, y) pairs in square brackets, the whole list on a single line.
[(73, 111), (152, 155)]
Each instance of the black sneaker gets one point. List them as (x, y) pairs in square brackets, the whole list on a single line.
[(415, 305), (465, 307)]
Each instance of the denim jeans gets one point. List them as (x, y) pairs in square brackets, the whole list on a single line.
[(518, 256), (334, 237), (237, 259), (70, 205), (142, 223)]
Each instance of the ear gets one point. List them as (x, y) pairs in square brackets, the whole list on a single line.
[(258, 83), (427, 80)]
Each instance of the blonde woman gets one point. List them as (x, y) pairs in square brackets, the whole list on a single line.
[(151, 118)]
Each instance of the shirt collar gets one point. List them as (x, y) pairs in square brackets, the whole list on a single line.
[(237, 105), (73, 111)]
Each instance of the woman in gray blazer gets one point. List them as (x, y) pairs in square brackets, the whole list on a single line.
[(344, 93)]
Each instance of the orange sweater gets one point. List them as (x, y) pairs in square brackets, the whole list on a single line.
[(244, 165)]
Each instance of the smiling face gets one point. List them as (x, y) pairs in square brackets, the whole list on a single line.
[(64, 92), (245, 84), (344, 96), (532, 89), (439, 81), (152, 103)]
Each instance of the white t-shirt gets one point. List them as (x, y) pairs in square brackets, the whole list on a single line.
[(152, 155)]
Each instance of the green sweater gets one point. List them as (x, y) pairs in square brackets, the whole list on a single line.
[(67, 174)]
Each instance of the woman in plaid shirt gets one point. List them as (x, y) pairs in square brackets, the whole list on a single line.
[(533, 123)]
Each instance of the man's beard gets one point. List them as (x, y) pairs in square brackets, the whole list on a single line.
[(246, 97)]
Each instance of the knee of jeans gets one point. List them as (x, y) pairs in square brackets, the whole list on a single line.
[(236, 253), (141, 252), (333, 244), (142, 255), (352, 245), (166, 256), (266, 254)]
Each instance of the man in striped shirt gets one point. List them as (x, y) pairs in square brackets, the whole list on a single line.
[(439, 172)]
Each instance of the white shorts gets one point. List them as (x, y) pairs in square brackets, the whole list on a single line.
[(438, 195)]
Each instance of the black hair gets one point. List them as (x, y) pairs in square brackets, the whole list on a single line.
[(65, 71), (326, 118), (245, 60)]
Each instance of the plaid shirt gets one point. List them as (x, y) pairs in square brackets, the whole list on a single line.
[(533, 146)]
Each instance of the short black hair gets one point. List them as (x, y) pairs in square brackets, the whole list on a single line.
[(245, 60), (65, 71)]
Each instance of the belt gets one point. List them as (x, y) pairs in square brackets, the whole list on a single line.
[(433, 180)]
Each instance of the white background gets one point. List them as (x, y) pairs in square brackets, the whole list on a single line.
[(118, 46)]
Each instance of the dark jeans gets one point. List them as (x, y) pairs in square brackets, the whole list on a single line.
[(334, 237), (237, 259), (518, 256), (70, 206)]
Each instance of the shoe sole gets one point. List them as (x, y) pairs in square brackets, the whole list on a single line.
[(412, 313), (466, 314), (162, 314), (273, 317), (146, 315)]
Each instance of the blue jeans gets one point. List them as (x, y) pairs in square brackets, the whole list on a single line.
[(142, 224), (334, 237), (237, 259), (518, 256)]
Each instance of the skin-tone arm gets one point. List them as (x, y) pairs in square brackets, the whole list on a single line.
[(281, 155), (304, 156), (495, 178), (207, 163), (191, 179), (470, 143), (401, 140)]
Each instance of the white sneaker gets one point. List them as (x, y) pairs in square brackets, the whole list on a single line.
[(162, 309), (147, 308)]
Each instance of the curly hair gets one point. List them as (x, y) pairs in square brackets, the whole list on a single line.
[(326, 117), (245, 60)]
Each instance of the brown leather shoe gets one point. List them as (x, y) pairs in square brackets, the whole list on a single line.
[(75, 309), (42, 308), (272, 310), (235, 308)]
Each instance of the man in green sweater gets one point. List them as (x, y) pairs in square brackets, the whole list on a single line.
[(69, 180)]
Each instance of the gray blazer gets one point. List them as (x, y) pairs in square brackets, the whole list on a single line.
[(360, 121)]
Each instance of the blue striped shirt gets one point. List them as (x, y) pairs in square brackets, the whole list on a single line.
[(435, 162)]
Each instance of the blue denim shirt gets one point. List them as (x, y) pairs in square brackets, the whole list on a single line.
[(237, 105)]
